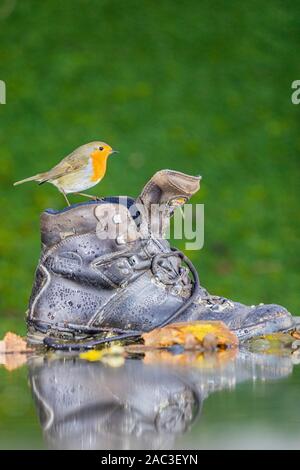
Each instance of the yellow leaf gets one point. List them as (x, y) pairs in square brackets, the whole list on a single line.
[(92, 356), (112, 356)]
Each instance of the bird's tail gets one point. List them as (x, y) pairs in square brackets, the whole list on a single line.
[(38, 178)]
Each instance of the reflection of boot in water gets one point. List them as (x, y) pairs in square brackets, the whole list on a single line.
[(105, 266), (90, 406), (87, 405)]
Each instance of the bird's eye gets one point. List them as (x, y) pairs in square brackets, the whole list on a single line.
[(101, 148)]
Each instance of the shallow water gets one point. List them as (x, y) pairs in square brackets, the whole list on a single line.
[(228, 400)]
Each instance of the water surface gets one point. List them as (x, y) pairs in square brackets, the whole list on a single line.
[(160, 401)]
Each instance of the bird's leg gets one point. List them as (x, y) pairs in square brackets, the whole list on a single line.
[(65, 196), (95, 198)]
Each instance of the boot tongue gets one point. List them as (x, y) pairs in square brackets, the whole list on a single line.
[(165, 191), (169, 187)]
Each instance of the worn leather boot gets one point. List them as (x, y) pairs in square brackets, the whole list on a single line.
[(106, 269)]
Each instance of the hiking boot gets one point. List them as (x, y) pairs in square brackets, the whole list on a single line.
[(106, 269)]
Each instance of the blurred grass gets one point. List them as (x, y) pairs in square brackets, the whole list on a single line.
[(202, 87), (19, 423)]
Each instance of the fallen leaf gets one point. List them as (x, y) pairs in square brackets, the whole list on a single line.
[(192, 335), (13, 351), (13, 343), (113, 356), (275, 343), (92, 356)]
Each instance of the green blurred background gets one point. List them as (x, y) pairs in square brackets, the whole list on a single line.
[(199, 86)]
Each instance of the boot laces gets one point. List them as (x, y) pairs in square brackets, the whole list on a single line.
[(91, 344)]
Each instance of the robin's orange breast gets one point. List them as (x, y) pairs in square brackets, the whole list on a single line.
[(99, 162)]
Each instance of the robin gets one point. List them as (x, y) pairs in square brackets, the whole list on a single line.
[(81, 170)]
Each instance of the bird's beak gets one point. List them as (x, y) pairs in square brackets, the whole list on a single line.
[(114, 151)]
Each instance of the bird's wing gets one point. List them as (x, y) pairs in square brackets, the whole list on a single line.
[(69, 164)]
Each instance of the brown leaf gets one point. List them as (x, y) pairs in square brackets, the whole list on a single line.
[(13, 343), (192, 335), (12, 349)]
